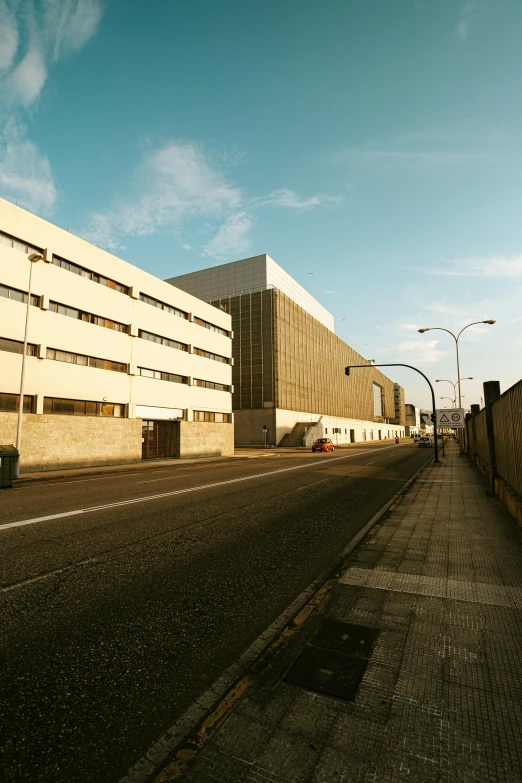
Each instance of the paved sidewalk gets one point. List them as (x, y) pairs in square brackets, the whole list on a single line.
[(441, 697)]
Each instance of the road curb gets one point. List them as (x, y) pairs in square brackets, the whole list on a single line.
[(178, 747)]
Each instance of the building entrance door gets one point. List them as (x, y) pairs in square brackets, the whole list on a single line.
[(159, 439)]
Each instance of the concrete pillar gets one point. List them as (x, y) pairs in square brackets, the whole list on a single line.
[(491, 393)]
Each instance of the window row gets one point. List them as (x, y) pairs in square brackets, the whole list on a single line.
[(85, 361), (10, 403), (156, 338), (211, 385), (212, 416), (73, 312), (16, 346), (212, 327), (83, 272), (18, 296), (163, 306), (162, 376), (82, 407), (17, 244), (208, 355)]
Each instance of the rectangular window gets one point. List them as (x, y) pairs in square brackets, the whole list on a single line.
[(163, 306), (94, 276), (212, 327), (156, 338), (225, 418), (18, 296), (63, 407), (162, 376), (73, 312), (10, 403), (85, 361), (16, 346), (18, 244), (208, 355), (211, 385), (364, 434), (377, 401)]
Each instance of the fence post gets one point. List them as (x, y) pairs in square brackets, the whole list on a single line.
[(491, 393), (475, 410)]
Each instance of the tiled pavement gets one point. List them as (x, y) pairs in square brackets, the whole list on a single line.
[(441, 698)]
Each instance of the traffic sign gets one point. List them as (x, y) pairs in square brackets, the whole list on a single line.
[(450, 417)]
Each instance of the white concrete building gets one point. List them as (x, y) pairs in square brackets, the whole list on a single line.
[(247, 276), (107, 341)]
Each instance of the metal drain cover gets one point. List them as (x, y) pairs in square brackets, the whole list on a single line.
[(334, 661)]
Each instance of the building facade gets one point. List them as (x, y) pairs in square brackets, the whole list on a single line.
[(413, 419), (120, 365), (288, 373), (399, 405)]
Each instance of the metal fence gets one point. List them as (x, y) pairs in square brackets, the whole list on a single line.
[(507, 437)]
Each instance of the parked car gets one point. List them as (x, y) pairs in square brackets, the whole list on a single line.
[(416, 438), (425, 443), (323, 444)]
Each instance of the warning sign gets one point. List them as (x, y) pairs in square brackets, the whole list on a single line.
[(450, 417)]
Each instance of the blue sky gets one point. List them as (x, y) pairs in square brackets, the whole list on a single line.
[(372, 148)]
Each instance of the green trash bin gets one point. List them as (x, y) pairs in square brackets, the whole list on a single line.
[(8, 459)]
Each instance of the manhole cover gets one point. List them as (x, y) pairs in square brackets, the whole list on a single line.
[(334, 661)]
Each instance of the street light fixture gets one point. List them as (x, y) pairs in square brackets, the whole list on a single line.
[(33, 258), (456, 338), (445, 380)]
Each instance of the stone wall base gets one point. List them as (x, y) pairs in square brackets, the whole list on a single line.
[(61, 442), (205, 439), (509, 499)]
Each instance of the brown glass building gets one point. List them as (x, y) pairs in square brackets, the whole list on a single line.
[(288, 372)]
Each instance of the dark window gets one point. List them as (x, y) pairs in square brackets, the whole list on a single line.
[(162, 376), (98, 320), (212, 416), (156, 338), (16, 346), (85, 361), (94, 276), (18, 244), (208, 355), (60, 406), (163, 306), (18, 296), (11, 402), (211, 385), (210, 326)]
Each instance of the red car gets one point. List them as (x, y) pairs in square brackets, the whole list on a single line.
[(323, 444)]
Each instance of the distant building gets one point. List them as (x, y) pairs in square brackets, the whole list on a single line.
[(399, 405), (120, 365), (288, 372), (413, 421)]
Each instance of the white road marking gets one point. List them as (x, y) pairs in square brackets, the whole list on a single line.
[(164, 478), (92, 509), (313, 484), (372, 463), (46, 484)]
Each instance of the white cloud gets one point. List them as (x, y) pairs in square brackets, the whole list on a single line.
[(232, 239), (186, 246), (469, 10), (32, 37), (423, 351), (289, 199), (487, 266), (9, 37), (171, 185), (25, 174)]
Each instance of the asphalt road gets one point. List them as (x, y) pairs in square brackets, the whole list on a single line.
[(115, 620)]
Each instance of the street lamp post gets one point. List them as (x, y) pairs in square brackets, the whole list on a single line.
[(434, 414), (445, 380), (456, 338), (33, 258)]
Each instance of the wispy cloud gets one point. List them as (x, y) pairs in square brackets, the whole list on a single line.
[(470, 9), (289, 199), (33, 36), (232, 238), (422, 351), (172, 185), (179, 183), (487, 266)]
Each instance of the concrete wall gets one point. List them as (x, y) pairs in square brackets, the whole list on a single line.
[(52, 442), (205, 439), (248, 426)]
